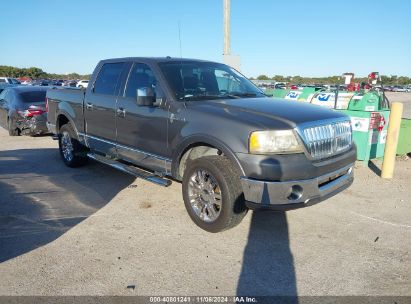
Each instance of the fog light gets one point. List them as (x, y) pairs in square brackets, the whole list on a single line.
[(296, 192)]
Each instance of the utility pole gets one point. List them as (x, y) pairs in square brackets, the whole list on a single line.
[(231, 60), (227, 42)]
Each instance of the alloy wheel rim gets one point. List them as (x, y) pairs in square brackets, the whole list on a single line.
[(204, 194), (66, 146)]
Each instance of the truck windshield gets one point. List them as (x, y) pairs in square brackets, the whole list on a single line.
[(193, 80)]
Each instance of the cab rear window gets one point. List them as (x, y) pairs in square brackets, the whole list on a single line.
[(35, 96)]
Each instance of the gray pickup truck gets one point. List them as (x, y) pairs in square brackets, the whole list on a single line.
[(205, 125)]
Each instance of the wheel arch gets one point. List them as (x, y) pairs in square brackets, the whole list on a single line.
[(62, 119), (199, 146)]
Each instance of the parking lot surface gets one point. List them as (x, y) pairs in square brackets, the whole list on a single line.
[(95, 231), (404, 98)]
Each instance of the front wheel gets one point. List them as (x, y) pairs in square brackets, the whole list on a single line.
[(212, 193), (72, 152)]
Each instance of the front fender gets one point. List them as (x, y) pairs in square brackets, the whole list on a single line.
[(202, 139)]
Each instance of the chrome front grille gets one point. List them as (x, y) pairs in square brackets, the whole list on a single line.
[(328, 140)]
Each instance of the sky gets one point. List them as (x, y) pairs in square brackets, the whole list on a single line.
[(295, 37)]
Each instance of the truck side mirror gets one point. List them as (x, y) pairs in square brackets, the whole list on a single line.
[(146, 96)]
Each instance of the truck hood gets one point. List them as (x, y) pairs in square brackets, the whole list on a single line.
[(289, 113)]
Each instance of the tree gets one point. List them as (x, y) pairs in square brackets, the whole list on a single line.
[(74, 76), (298, 79), (403, 80), (385, 79), (34, 73), (263, 77), (278, 78)]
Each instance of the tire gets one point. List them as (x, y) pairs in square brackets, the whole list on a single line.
[(12, 131), (72, 152), (212, 193)]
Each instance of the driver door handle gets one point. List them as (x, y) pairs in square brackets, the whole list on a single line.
[(121, 112)]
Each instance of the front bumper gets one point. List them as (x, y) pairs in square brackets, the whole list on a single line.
[(289, 167), (287, 195)]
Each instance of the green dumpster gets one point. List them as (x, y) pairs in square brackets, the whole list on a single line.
[(297, 95), (277, 93), (301, 95), (369, 124), (369, 132), (308, 92), (404, 141)]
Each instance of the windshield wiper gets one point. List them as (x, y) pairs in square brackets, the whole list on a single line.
[(233, 95), (241, 95), (200, 97)]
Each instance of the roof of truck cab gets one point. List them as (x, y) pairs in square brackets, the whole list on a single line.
[(153, 59)]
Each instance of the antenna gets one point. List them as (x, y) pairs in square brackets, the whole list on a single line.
[(179, 38), (181, 54)]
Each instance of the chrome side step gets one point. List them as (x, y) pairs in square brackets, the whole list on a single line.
[(137, 172)]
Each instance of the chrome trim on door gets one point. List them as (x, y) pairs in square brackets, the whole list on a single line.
[(163, 162), (146, 153)]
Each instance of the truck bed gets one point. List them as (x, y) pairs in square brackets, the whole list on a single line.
[(61, 100)]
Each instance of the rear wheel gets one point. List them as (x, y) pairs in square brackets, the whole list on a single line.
[(212, 193), (72, 152), (13, 131)]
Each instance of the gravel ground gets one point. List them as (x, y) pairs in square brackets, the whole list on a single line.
[(405, 98), (95, 231)]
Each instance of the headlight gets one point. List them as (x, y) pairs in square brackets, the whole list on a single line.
[(284, 141)]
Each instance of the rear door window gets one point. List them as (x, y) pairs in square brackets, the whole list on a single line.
[(108, 79)]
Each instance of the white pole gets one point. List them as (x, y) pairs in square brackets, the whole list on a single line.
[(227, 43)]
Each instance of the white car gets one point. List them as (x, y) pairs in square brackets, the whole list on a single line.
[(82, 84), (399, 89), (9, 80)]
